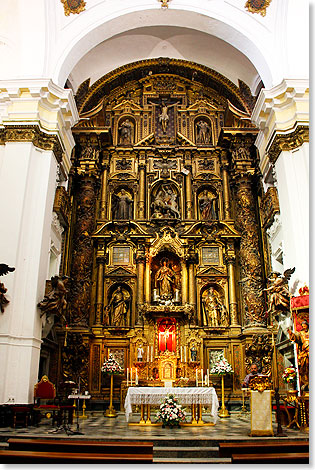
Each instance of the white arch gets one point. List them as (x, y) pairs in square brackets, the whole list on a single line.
[(83, 34)]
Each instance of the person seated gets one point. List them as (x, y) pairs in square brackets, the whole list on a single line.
[(253, 372)]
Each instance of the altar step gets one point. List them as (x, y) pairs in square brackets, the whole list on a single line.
[(190, 455)]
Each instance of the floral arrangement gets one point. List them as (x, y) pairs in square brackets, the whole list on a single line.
[(111, 366), (222, 367), (170, 412), (289, 375)]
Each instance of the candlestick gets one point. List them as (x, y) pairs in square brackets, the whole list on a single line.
[(185, 351), (151, 353), (136, 377), (181, 354), (196, 377), (201, 373), (127, 376), (131, 377), (148, 349)]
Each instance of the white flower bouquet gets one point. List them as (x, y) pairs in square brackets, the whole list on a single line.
[(170, 412), (222, 367), (111, 366)]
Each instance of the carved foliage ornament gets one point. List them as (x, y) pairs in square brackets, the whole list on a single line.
[(258, 6), (73, 6)]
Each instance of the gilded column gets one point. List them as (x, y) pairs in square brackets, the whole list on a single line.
[(189, 214), (184, 282), (141, 210), (230, 261), (82, 257), (226, 194), (100, 261), (140, 260), (192, 259), (247, 223), (147, 286), (103, 202)]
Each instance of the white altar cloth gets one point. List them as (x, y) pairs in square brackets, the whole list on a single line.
[(184, 395)]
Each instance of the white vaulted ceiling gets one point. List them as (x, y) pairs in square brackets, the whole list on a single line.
[(164, 41)]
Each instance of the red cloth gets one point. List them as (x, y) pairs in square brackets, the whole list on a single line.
[(300, 301)]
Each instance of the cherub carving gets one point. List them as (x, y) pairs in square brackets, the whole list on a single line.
[(54, 303)]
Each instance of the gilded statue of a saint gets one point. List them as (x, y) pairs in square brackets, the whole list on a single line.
[(165, 279), (302, 339), (118, 307), (214, 311)]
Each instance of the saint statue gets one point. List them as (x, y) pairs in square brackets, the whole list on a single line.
[(207, 206), (203, 132), (165, 204), (140, 352), (215, 312), (165, 279), (118, 307), (54, 303), (122, 206), (125, 132), (193, 354), (303, 342)]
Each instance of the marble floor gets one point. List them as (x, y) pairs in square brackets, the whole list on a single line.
[(96, 426)]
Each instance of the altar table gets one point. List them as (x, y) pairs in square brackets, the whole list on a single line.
[(194, 396)]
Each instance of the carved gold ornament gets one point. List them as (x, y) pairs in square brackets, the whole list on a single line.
[(164, 3), (260, 383), (73, 6), (258, 6)]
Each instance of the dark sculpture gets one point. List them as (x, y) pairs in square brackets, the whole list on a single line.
[(4, 269), (203, 132), (280, 295), (125, 132), (122, 206), (207, 205), (54, 303)]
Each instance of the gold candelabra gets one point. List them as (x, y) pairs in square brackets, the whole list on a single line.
[(110, 412)]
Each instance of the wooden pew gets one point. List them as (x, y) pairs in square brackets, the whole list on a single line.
[(226, 449), (32, 457), (278, 458), (79, 445)]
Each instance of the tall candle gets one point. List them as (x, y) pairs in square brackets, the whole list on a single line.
[(181, 354), (196, 377), (136, 377), (185, 351), (151, 353), (208, 376), (127, 376), (131, 376), (148, 348), (201, 373)]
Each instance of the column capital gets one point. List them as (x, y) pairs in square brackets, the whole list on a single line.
[(280, 112), (41, 103)]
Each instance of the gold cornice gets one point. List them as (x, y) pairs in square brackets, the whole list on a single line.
[(285, 142), (116, 75), (32, 134)]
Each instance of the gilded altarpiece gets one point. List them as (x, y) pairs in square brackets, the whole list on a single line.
[(165, 255)]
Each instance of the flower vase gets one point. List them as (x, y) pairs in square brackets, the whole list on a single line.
[(110, 412), (223, 412), (291, 386)]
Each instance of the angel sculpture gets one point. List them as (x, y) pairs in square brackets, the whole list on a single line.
[(280, 294), (4, 269), (54, 303)]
